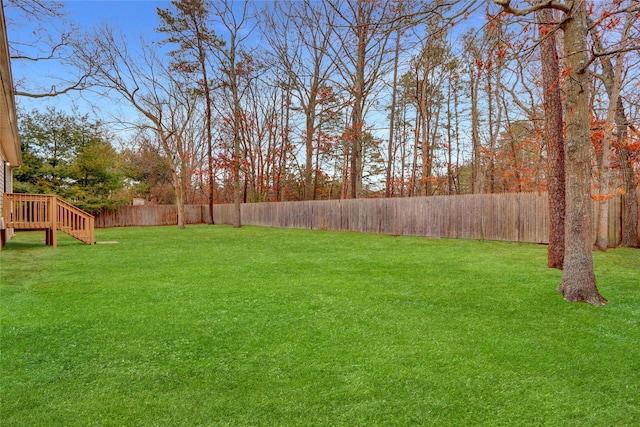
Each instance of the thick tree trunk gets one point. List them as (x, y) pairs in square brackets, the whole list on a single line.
[(555, 139), (578, 279)]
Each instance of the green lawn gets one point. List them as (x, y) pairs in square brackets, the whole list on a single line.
[(269, 327)]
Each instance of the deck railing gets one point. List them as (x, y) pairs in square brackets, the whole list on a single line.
[(49, 213)]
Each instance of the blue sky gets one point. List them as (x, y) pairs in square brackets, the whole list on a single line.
[(132, 17)]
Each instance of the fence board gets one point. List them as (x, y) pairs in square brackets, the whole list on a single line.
[(518, 217)]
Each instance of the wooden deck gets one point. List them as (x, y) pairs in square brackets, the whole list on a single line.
[(48, 213)]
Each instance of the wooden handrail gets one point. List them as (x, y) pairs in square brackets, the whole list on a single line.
[(41, 211), (27, 211)]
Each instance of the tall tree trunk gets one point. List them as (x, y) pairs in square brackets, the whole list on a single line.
[(388, 189), (476, 167), (207, 95), (495, 123), (434, 119), (458, 188), (489, 171), (403, 151), (357, 119), (630, 238), (602, 229), (189, 22), (282, 171), (629, 199), (210, 179), (516, 166), (425, 149), (414, 164), (578, 279), (309, 136), (613, 89), (555, 138), (316, 175), (449, 139), (237, 153)]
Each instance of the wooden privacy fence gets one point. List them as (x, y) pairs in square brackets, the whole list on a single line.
[(136, 216), (518, 217)]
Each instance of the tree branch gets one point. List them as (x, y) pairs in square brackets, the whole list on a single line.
[(598, 54), (547, 4), (79, 85)]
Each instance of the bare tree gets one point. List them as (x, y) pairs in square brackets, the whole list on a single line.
[(474, 70), (160, 95), (52, 41), (299, 36), (400, 29), (360, 55), (188, 27), (429, 80), (234, 62), (388, 189)]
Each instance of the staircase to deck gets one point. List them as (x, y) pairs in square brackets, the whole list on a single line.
[(49, 213)]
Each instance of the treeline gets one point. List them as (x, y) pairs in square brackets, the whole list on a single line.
[(305, 100)]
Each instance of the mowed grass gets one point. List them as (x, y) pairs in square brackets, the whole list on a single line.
[(266, 327)]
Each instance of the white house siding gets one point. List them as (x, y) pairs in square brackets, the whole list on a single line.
[(10, 155)]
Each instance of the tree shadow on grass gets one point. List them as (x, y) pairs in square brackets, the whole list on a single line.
[(31, 240)]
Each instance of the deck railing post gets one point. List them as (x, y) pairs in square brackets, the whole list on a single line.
[(53, 202), (92, 226)]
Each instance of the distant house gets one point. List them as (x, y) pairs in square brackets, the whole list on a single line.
[(10, 155)]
